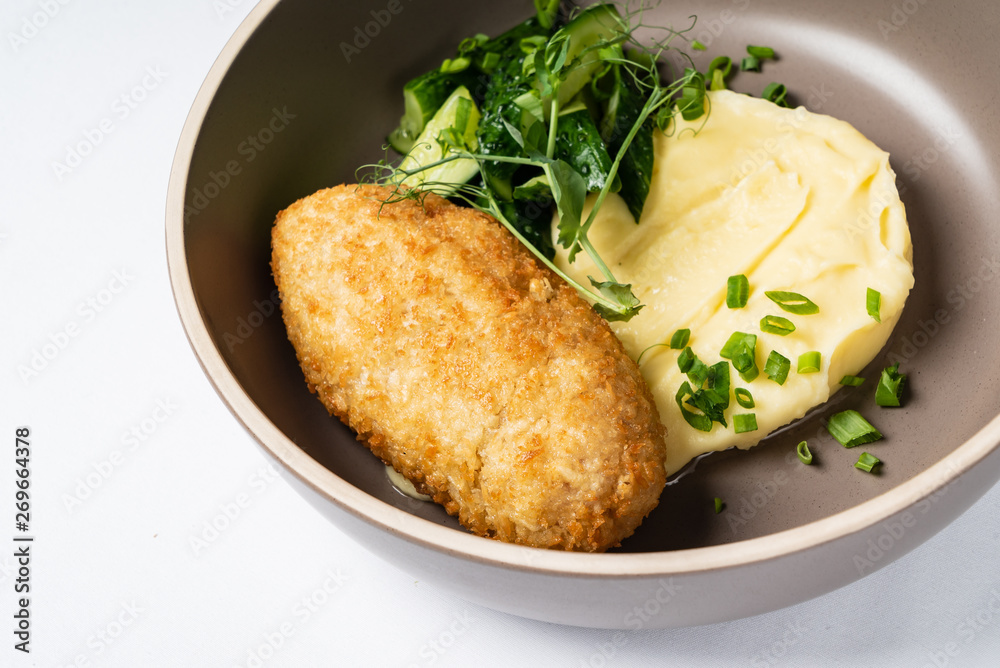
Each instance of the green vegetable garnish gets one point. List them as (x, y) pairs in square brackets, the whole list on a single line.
[(680, 339), (851, 429), (852, 381), (777, 366), (792, 302), (776, 92), (750, 64), (890, 387), (741, 349), (762, 52), (802, 450), (810, 362), (873, 302), (744, 398), (698, 46), (686, 359), (744, 422), (719, 505), (774, 324), (737, 291), (867, 462)]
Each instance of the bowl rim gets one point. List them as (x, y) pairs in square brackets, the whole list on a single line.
[(450, 541)]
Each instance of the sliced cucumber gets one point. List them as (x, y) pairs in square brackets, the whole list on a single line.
[(579, 143), (422, 97), (460, 115), (597, 24)]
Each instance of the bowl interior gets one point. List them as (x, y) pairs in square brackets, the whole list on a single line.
[(317, 86)]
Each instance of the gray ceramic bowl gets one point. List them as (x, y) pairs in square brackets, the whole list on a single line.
[(301, 95)]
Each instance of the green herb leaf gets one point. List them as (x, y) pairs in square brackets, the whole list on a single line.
[(792, 302), (680, 339), (890, 387), (867, 462), (744, 398), (698, 46), (810, 362), (569, 191), (851, 429), (802, 450), (737, 291), (873, 303), (547, 10), (620, 293), (777, 366), (774, 324), (744, 422)]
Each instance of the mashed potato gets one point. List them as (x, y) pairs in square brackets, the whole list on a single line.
[(797, 202)]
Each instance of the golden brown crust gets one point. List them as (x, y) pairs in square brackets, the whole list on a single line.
[(468, 367)]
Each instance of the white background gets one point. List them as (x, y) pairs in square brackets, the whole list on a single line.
[(134, 456)]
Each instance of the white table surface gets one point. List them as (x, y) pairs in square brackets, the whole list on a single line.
[(134, 455)]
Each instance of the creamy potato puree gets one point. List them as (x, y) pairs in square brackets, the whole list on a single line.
[(797, 202)]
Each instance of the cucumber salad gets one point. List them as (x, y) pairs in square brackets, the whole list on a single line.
[(556, 108)]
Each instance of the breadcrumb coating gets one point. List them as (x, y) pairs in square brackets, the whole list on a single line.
[(469, 367)]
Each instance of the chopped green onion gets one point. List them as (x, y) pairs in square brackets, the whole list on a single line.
[(718, 70), (874, 304), (741, 349), (867, 462), (810, 362), (850, 429), (802, 451), (737, 291), (699, 422), (455, 66), (698, 46), (777, 366), (686, 359), (762, 52), (774, 324), (792, 302), (719, 505), (744, 398), (744, 422), (776, 92), (750, 64), (890, 387), (680, 339), (851, 381), (698, 373)]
